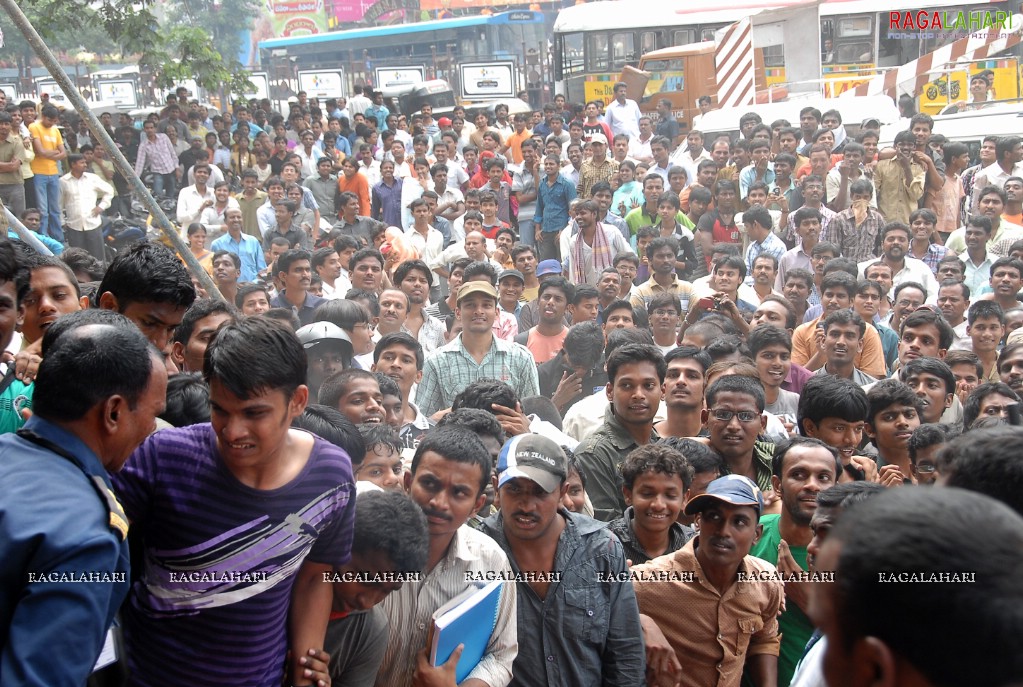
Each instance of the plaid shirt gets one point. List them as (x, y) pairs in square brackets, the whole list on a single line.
[(590, 173), (451, 368), (858, 243), (159, 154), (932, 257), (826, 216)]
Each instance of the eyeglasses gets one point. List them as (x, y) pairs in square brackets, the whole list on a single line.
[(924, 468), (368, 325), (745, 416)]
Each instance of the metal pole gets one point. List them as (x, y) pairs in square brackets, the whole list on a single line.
[(122, 165)]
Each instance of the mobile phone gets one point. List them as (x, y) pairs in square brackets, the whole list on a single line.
[(1015, 416), (707, 304)]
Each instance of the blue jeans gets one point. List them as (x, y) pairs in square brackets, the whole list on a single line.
[(164, 185), (48, 199)]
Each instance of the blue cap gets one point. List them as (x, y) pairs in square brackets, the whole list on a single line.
[(535, 458), (548, 267), (734, 490)]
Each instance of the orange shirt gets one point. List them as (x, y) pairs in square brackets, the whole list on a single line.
[(514, 143), (544, 348), (870, 359), (358, 185)]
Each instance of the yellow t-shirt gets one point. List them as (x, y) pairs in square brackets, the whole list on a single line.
[(50, 139)]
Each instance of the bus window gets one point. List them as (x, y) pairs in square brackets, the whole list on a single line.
[(572, 57), (596, 53), (707, 34), (856, 27), (623, 49), (854, 52), (649, 40), (683, 37)]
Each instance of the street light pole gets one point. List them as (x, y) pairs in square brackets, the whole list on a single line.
[(127, 171)]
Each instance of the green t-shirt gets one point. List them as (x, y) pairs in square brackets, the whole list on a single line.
[(793, 624), (13, 400)]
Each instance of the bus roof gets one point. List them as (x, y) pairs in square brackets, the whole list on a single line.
[(516, 17), (612, 14)]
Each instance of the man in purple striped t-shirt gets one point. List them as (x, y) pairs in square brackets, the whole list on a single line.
[(239, 520)]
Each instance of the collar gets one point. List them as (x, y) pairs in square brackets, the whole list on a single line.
[(618, 436), (69, 441)]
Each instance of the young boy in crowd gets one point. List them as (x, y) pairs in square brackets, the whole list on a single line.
[(893, 415), (390, 392), (834, 410), (656, 479), (356, 394), (382, 464), (772, 352)]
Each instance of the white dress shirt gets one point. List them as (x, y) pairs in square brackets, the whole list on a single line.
[(78, 197), (190, 203)]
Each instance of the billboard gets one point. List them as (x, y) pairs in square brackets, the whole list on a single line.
[(322, 84), (121, 91), (481, 80), (297, 17), (392, 77)]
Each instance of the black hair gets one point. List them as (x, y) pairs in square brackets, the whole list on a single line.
[(782, 449), (363, 253), (147, 272), (727, 345), (388, 387), (841, 264), (402, 339), (255, 354), (392, 524), (971, 406), (986, 461), (846, 316), (543, 408), (659, 243), (204, 307), (624, 336), (188, 400), (799, 273), (286, 259), (825, 396), (928, 435), (733, 261), (404, 268), (979, 309), (477, 421), (285, 316), (557, 282), (343, 312), (379, 434), (701, 458), (87, 363), (931, 366), (80, 260), (635, 353), (656, 458), (768, 335), (245, 290), (737, 384), (332, 426), (456, 444), (925, 316), (27, 263), (585, 343), (585, 292), (483, 393), (890, 392), (842, 280), (846, 494), (899, 288), (335, 387), (478, 267), (922, 532)]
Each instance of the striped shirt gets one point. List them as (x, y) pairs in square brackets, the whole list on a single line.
[(410, 610), (451, 368), (221, 557)]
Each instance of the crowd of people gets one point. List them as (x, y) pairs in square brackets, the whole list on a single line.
[(716, 410)]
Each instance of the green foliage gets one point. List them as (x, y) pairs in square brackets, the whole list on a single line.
[(197, 39)]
